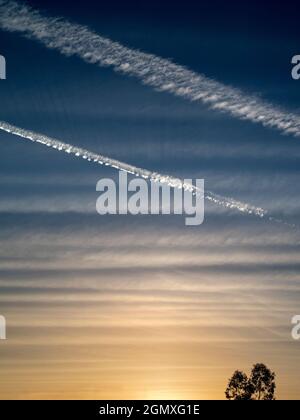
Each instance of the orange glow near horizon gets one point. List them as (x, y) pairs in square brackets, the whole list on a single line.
[(140, 333)]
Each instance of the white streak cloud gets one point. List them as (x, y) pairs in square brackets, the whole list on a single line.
[(164, 75), (121, 166)]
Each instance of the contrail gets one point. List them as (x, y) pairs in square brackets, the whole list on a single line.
[(144, 173), (163, 75)]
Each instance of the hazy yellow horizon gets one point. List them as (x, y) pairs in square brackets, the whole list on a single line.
[(86, 328)]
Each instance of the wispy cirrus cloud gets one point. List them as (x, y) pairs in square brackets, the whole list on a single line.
[(161, 74)]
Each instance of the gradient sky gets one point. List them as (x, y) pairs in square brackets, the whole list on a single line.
[(143, 307)]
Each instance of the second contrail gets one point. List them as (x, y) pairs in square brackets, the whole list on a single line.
[(121, 166)]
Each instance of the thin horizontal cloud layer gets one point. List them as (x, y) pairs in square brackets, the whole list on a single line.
[(161, 74), (153, 315), (105, 300)]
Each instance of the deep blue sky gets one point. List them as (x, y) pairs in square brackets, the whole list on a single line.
[(52, 243), (247, 45)]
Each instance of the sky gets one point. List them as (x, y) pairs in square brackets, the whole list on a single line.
[(138, 307)]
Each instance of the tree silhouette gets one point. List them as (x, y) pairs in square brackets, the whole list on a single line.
[(259, 386), (238, 387), (262, 382)]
